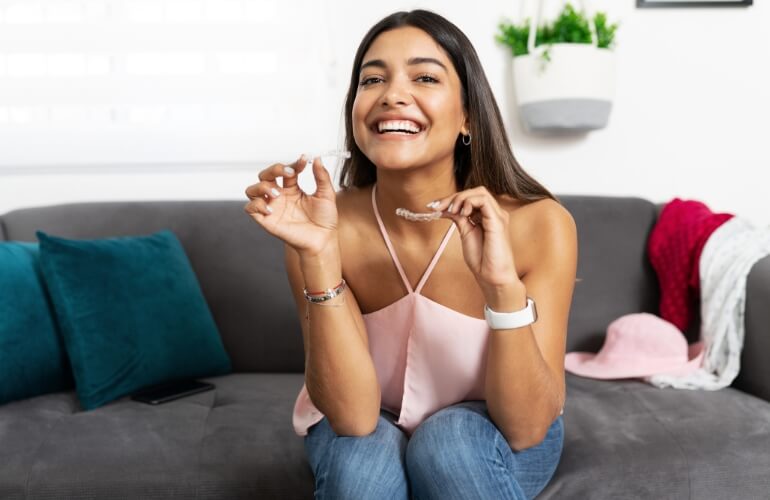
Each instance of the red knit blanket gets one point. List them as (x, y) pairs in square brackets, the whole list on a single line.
[(674, 249)]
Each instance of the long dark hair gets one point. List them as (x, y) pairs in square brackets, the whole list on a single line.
[(488, 161)]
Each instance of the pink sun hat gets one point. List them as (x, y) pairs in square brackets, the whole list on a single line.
[(638, 345)]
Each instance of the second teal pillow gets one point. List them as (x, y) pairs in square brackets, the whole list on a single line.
[(131, 312), (33, 359)]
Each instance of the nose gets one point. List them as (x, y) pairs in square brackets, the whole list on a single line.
[(395, 93)]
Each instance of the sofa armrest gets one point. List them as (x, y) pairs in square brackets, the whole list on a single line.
[(754, 377)]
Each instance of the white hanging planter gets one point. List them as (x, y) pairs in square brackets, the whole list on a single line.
[(571, 92)]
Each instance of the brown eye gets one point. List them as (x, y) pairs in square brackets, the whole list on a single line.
[(427, 78), (369, 80)]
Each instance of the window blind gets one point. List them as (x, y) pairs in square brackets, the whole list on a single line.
[(105, 82)]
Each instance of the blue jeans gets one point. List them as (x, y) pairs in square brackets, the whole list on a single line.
[(456, 453)]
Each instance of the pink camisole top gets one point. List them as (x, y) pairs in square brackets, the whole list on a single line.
[(426, 355)]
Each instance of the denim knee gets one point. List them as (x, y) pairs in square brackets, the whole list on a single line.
[(370, 466), (455, 453), (448, 433), (458, 452)]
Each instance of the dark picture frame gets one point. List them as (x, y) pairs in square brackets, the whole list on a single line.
[(686, 3)]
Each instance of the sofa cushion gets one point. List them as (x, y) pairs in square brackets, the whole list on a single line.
[(233, 442), (628, 439), (131, 313), (33, 359), (623, 439)]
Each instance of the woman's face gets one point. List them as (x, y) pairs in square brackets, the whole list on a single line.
[(407, 85)]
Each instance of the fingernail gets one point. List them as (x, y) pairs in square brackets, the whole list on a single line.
[(449, 208), (432, 204), (275, 192), (288, 170), (269, 208)]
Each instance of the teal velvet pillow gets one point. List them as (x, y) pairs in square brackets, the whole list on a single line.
[(131, 312), (33, 360)]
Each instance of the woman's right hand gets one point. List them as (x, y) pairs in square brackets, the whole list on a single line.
[(306, 222)]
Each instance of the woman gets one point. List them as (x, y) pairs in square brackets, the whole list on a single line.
[(456, 389)]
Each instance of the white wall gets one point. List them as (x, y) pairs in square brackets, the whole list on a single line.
[(688, 121)]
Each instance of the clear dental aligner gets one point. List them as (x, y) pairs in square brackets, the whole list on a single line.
[(337, 152), (417, 217)]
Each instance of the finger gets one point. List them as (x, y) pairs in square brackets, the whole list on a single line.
[(471, 203), (270, 175), (454, 199), (258, 207), (291, 173), (323, 180), (263, 190), (277, 170), (444, 204), (480, 195), (267, 179), (477, 209), (485, 205), (464, 225), (481, 203), (448, 203), (288, 172), (455, 204)]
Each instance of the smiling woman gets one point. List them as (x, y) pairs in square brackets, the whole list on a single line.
[(456, 388)]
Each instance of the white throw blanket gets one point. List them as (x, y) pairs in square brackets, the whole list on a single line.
[(727, 257)]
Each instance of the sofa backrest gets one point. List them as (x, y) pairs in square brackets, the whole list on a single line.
[(239, 266), (241, 269), (614, 273)]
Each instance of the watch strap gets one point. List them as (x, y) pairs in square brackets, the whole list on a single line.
[(515, 319)]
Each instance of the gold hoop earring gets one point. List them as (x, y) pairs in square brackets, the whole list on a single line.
[(469, 139)]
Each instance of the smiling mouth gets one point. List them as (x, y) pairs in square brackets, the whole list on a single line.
[(397, 132), (375, 129)]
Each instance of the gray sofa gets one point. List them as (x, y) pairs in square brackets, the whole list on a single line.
[(624, 438)]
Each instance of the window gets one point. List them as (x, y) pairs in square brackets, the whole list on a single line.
[(215, 82)]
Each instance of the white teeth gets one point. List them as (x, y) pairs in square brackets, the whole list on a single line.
[(398, 125)]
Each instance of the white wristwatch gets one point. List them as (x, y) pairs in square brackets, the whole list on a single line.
[(515, 319)]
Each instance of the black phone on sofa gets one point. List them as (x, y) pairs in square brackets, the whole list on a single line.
[(169, 391)]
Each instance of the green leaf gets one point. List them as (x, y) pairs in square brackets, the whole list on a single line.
[(570, 26)]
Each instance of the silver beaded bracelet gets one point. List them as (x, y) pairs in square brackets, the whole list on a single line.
[(327, 294)]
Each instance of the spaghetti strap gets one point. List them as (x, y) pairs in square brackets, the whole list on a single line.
[(435, 258), (392, 251)]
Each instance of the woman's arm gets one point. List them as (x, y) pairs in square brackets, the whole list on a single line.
[(339, 372)]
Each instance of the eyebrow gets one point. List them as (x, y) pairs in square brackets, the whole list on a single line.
[(379, 63)]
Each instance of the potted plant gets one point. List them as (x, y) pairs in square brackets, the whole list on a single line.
[(563, 72)]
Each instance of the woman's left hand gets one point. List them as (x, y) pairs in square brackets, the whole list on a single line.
[(485, 236)]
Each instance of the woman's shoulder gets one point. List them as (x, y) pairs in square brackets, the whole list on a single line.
[(536, 225), (534, 211)]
